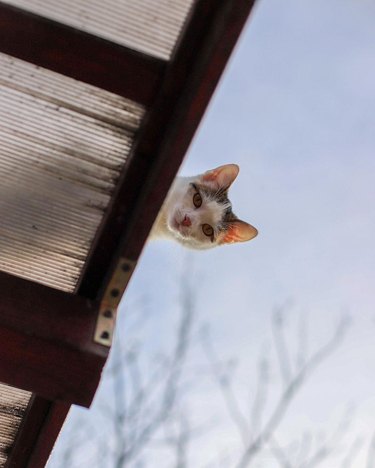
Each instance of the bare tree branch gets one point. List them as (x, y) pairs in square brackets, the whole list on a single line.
[(303, 342), (261, 393), (147, 404), (278, 320), (182, 442), (304, 449), (318, 456), (287, 396), (326, 446), (279, 454), (225, 384), (171, 383)]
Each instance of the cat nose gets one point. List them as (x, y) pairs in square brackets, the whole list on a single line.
[(186, 221)]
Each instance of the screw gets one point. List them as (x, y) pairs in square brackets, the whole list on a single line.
[(104, 335)]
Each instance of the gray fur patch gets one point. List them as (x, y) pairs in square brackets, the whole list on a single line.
[(221, 197)]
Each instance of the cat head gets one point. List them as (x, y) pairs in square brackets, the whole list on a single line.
[(199, 213)]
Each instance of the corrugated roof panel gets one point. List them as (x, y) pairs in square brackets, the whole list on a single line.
[(13, 403), (62, 146), (149, 26)]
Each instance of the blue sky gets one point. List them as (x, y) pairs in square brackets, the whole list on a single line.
[(296, 110)]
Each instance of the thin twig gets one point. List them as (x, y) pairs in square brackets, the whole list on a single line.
[(171, 383), (287, 396), (261, 394), (325, 448), (303, 339), (280, 343), (224, 383), (304, 449), (279, 453)]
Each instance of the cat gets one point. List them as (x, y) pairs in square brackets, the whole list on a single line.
[(198, 214)]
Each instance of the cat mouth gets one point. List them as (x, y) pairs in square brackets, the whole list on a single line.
[(179, 228)]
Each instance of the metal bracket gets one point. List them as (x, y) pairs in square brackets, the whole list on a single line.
[(105, 324)]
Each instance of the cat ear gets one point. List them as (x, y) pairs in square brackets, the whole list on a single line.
[(238, 231), (221, 177)]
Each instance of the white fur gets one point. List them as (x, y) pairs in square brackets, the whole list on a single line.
[(179, 219), (178, 204)]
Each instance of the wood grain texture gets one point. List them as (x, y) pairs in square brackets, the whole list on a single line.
[(79, 55), (35, 439), (46, 341)]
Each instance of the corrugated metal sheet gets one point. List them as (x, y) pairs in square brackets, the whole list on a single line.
[(62, 145), (150, 26), (13, 403)]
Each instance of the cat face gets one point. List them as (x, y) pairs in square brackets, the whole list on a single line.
[(199, 213)]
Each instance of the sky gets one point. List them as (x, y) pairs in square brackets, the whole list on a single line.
[(295, 110)]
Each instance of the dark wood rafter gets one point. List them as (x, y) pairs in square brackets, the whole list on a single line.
[(46, 343), (195, 69), (79, 55), (36, 436)]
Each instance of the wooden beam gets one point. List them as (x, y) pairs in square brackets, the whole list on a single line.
[(79, 55), (194, 71), (46, 341), (36, 436)]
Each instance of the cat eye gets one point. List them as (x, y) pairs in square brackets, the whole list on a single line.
[(197, 200), (208, 231)]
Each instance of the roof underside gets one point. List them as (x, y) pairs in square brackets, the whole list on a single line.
[(98, 104), (63, 144), (148, 26)]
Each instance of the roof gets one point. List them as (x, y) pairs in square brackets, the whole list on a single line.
[(98, 106)]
